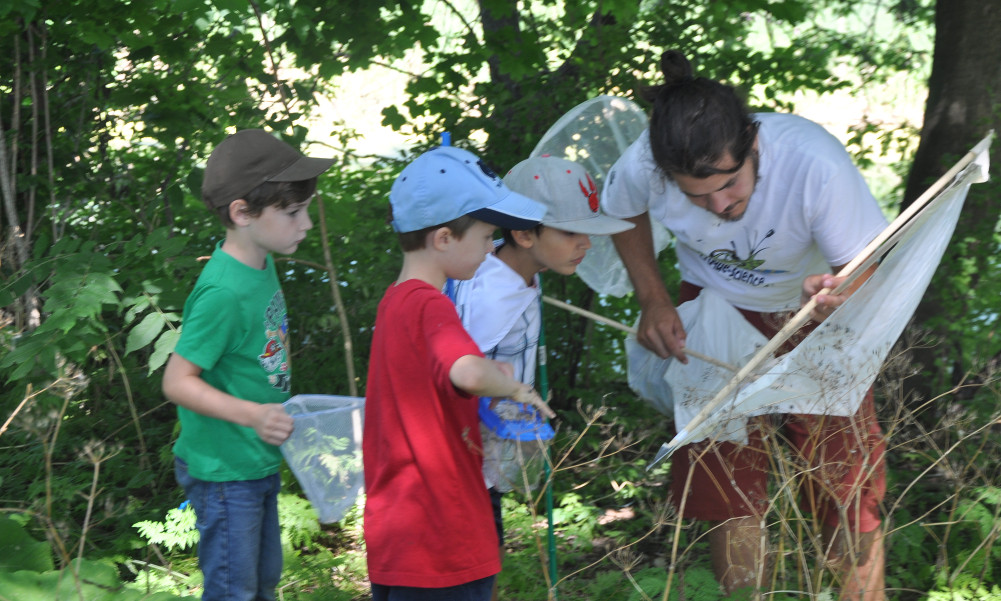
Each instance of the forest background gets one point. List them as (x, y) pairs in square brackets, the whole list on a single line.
[(108, 110)]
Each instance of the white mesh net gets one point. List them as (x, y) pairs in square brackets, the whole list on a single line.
[(324, 451)]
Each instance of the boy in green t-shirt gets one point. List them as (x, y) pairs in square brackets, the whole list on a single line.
[(229, 373)]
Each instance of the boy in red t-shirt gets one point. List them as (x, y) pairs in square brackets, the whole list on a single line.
[(429, 528)]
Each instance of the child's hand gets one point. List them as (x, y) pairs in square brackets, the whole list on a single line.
[(272, 424), (527, 395)]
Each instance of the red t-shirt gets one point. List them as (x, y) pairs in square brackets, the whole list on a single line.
[(428, 520)]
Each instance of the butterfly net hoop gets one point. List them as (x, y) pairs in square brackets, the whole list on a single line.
[(594, 134)]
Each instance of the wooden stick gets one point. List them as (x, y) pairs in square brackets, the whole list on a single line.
[(905, 220), (630, 330), (867, 256)]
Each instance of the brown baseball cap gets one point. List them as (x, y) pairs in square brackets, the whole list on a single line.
[(249, 158)]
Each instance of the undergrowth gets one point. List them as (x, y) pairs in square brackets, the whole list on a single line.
[(614, 534)]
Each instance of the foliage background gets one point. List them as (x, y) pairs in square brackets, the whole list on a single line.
[(109, 109)]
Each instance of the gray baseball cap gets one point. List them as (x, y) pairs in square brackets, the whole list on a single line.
[(567, 191)]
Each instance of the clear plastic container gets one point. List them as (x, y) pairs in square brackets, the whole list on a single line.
[(514, 445)]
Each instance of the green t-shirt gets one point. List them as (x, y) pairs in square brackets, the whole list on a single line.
[(236, 330)]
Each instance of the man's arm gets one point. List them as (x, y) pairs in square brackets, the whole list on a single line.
[(184, 386), (660, 329), (485, 377)]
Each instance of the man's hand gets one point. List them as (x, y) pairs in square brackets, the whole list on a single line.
[(272, 424), (660, 330), (825, 303)]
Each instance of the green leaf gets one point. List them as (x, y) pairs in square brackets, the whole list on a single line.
[(391, 117), (82, 579), (137, 306), (42, 241), (14, 289), (30, 351), (188, 6), (163, 348), (173, 247), (144, 333), (177, 531), (235, 6), (21, 552)]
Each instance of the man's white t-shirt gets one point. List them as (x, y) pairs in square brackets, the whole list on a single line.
[(810, 210)]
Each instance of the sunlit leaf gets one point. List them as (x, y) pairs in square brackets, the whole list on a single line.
[(145, 331)]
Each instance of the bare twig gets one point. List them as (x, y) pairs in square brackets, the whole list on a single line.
[(271, 58), (27, 397), (144, 461), (49, 446), (338, 302), (335, 292), (96, 454)]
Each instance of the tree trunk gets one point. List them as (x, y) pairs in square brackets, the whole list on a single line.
[(527, 104), (964, 91)]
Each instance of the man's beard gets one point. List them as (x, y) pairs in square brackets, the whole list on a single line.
[(755, 163)]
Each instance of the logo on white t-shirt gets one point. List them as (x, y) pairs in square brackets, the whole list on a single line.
[(730, 263)]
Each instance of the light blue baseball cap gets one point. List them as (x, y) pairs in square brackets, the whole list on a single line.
[(446, 183)]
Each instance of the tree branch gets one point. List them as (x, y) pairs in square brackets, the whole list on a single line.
[(331, 271)]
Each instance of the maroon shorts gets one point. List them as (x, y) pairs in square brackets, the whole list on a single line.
[(835, 463)]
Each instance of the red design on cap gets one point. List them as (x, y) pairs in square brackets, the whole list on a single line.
[(590, 192)]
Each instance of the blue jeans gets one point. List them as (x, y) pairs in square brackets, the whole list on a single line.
[(240, 550), (477, 590)]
